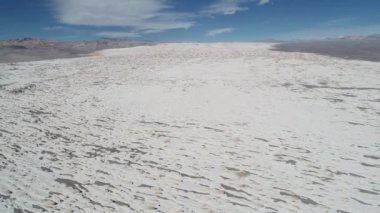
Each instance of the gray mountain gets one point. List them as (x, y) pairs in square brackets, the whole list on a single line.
[(30, 49), (351, 47)]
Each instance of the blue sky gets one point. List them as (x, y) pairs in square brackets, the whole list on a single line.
[(188, 20)]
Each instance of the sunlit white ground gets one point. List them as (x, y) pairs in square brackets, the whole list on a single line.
[(190, 128)]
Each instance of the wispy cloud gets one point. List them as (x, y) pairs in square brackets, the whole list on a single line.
[(116, 34), (141, 15), (216, 32), (138, 17), (54, 28), (338, 22), (230, 7), (262, 2)]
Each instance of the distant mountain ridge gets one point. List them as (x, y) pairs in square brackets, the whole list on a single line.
[(349, 47), (31, 49)]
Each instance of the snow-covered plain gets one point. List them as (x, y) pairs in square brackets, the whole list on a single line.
[(190, 128)]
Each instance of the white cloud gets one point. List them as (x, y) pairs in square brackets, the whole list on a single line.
[(144, 15), (338, 22), (54, 28), (115, 34), (262, 2), (230, 7), (138, 16), (216, 32)]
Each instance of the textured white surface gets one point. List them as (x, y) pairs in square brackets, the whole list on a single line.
[(193, 128)]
